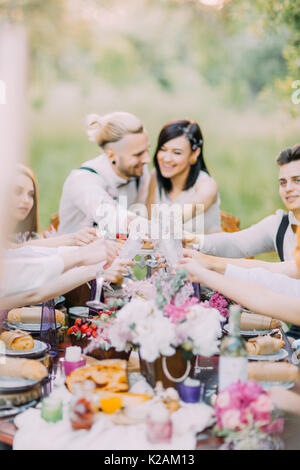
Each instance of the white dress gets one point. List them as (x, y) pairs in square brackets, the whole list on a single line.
[(212, 218)]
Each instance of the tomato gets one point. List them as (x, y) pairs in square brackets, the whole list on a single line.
[(94, 326), (94, 334)]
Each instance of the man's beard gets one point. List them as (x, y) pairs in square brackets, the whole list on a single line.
[(127, 173)]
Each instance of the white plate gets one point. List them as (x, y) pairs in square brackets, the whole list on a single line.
[(29, 327), (38, 350), (278, 356), (16, 384), (251, 332), (267, 385)]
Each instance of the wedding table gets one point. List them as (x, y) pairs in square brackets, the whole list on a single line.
[(205, 440)]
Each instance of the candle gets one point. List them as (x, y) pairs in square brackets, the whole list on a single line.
[(190, 390), (73, 354)]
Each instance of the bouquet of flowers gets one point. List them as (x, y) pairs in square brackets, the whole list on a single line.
[(246, 418), (172, 319), (164, 318)]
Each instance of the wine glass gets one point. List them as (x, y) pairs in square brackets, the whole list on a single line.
[(96, 304)]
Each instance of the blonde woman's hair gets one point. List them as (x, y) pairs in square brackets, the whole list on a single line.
[(112, 127)]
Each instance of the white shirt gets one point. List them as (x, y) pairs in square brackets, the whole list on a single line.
[(259, 238), (278, 283), (28, 273), (212, 218), (84, 192)]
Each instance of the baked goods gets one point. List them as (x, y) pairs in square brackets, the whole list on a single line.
[(254, 321), (272, 372), (23, 368), (262, 345), (30, 315), (17, 340), (110, 375)]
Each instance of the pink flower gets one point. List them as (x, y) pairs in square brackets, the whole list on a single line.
[(223, 400), (263, 404), (276, 427), (231, 419)]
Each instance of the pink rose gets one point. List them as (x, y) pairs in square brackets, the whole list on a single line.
[(263, 404), (231, 419)]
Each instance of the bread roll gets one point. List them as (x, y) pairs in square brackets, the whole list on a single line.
[(17, 340), (264, 345), (272, 372), (254, 321), (30, 315), (23, 368)]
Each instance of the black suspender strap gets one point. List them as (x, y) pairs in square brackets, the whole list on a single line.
[(91, 170), (280, 235), (87, 168)]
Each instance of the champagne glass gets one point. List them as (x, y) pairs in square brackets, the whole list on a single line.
[(96, 303)]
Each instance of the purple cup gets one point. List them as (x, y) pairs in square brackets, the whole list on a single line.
[(189, 393), (70, 366)]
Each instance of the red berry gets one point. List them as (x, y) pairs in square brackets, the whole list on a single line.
[(94, 334), (75, 329)]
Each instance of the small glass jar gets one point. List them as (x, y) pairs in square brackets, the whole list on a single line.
[(159, 425), (82, 407), (52, 409)]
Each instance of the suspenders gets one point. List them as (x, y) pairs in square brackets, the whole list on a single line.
[(280, 235), (91, 170)]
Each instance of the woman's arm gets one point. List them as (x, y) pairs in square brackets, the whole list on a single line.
[(83, 237), (218, 264), (64, 283), (206, 195), (249, 294)]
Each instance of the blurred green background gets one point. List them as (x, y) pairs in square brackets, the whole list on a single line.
[(230, 69)]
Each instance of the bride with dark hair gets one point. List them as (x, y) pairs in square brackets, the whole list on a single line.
[(181, 177)]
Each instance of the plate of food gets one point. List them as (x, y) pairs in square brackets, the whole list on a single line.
[(266, 348), (18, 343), (272, 374), (253, 324), (29, 319), (18, 374)]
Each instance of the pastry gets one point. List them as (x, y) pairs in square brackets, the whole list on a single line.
[(23, 368), (254, 321), (264, 345), (17, 340), (31, 315), (110, 375), (272, 372)]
